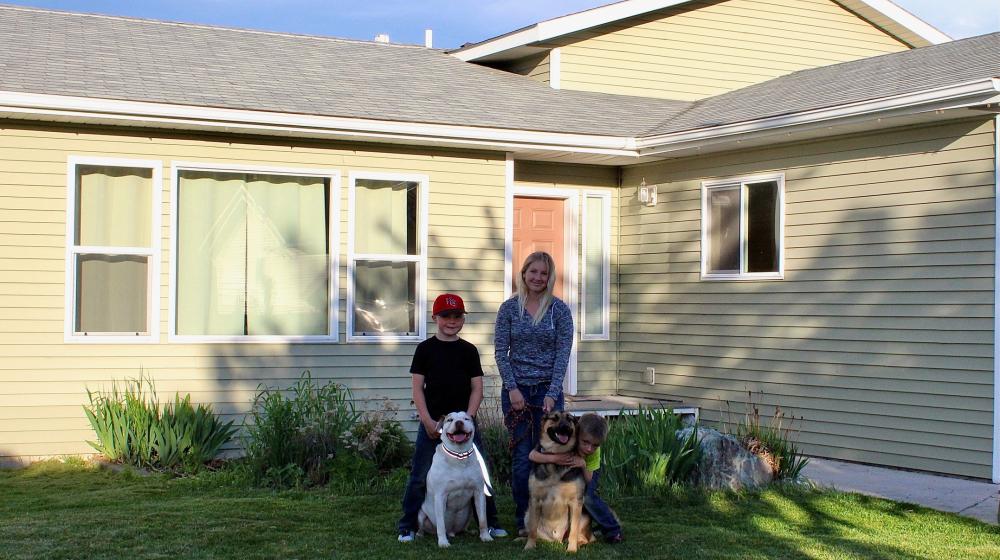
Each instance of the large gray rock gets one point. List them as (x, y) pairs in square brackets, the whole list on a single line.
[(724, 463)]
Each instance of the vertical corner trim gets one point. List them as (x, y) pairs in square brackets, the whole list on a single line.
[(555, 68), (996, 301)]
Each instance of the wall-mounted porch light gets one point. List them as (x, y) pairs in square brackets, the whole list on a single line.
[(647, 194)]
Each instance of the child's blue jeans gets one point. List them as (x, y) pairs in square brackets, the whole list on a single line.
[(599, 510)]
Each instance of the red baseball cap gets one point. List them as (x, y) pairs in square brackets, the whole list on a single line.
[(448, 302)]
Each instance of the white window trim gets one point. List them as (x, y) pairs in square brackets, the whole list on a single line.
[(153, 252), (333, 238), (423, 195), (605, 333), (571, 247), (741, 182)]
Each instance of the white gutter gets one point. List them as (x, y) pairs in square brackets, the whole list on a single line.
[(996, 301), (136, 113), (950, 97)]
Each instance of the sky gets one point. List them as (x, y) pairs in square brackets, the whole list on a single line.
[(453, 22)]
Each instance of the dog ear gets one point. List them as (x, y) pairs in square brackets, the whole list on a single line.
[(440, 424)]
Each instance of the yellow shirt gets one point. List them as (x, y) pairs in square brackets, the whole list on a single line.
[(593, 460)]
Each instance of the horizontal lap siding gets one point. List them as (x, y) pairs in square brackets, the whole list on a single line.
[(43, 381), (879, 340), (596, 359), (706, 48)]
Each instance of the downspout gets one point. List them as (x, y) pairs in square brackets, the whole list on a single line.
[(618, 283), (996, 302)]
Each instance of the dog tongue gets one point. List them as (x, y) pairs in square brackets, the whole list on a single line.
[(459, 437), (563, 438)]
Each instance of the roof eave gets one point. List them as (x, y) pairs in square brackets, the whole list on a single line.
[(968, 94), (113, 112)]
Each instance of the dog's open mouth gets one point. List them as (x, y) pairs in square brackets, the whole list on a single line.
[(560, 435), (459, 437)]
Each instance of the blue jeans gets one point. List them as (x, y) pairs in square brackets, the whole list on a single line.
[(416, 486), (525, 437), (598, 509)]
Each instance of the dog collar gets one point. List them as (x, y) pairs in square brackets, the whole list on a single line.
[(461, 456)]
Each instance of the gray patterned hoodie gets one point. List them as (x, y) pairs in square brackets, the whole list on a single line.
[(529, 354)]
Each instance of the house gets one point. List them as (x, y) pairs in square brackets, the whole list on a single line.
[(791, 197)]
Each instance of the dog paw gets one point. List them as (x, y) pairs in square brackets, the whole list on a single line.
[(529, 545), (485, 537), (444, 544)]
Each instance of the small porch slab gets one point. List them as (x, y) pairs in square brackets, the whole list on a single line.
[(613, 405)]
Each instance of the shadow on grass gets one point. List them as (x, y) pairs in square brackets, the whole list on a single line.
[(74, 511)]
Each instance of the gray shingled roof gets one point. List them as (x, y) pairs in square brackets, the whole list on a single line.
[(60, 53), (887, 75)]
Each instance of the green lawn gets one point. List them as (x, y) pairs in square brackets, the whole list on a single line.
[(54, 510)]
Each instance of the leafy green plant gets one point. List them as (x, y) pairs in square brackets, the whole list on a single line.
[(305, 428), (378, 437), (188, 437), (131, 428), (772, 442), (496, 440), (643, 456)]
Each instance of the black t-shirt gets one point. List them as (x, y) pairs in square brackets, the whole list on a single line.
[(448, 369)]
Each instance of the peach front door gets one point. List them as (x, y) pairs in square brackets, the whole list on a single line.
[(538, 226)]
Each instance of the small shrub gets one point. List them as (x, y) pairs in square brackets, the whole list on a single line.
[(304, 429), (642, 455), (771, 442), (381, 439), (496, 440), (131, 428)]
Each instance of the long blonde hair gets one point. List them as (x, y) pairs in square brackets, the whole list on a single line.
[(522, 288)]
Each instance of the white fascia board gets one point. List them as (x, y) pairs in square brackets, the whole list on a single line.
[(563, 25), (897, 21), (138, 113), (951, 97)]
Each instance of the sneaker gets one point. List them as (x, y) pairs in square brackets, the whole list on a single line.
[(406, 536), (498, 532), (616, 539), (522, 532)]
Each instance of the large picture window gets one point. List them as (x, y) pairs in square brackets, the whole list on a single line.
[(742, 228), (387, 253), (253, 255), (113, 248)]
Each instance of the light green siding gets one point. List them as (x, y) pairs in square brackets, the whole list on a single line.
[(701, 49), (43, 380), (879, 340)]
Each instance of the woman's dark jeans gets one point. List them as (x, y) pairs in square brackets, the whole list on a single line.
[(525, 436)]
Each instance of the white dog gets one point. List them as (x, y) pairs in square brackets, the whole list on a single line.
[(456, 481)]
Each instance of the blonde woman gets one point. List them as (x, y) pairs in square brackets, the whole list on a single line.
[(533, 339)]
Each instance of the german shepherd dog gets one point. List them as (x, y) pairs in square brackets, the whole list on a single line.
[(555, 508)]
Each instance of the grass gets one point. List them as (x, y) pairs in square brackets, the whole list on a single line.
[(59, 510)]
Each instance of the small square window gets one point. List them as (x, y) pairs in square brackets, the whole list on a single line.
[(742, 222)]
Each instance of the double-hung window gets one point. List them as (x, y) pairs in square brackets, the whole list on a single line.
[(255, 254), (387, 252), (742, 234), (112, 260)]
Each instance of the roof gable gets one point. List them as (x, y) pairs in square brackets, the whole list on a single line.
[(516, 44)]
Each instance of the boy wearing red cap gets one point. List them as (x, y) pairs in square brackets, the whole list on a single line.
[(447, 377)]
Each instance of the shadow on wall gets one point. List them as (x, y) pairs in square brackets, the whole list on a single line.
[(882, 325), (467, 259)]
